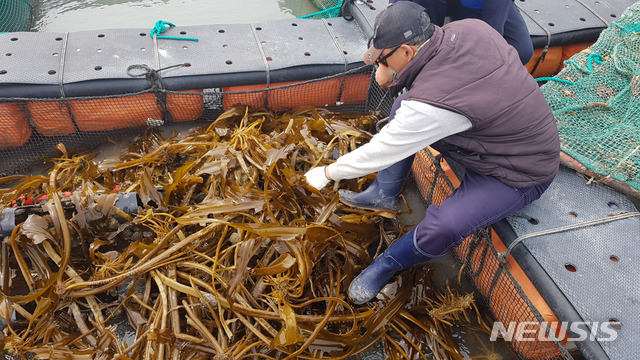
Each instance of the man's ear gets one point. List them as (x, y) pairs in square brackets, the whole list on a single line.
[(407, 51)]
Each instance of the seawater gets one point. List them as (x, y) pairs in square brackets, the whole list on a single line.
[(79, 15)]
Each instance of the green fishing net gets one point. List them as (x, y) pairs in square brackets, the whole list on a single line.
[(15, 15), (596, 101), (326, 4), (328, 9)]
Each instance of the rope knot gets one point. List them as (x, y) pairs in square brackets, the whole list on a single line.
[(145, 71), (151, 74), (162, 26)]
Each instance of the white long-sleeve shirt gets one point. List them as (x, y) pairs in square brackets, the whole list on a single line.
[(415, 126)]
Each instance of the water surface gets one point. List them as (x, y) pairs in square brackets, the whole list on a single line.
[(78, 15)]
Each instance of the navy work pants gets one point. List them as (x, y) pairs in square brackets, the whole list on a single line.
[(479, 202)]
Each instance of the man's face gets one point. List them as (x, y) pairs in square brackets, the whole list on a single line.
[(396, 58)]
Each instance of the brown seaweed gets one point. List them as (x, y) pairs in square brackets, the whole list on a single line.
[(230, 256)]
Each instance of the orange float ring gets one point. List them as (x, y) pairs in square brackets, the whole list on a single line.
[(14, 126), (281, 97), (553, 61), (114, 113), (52, 118), (185, 107)]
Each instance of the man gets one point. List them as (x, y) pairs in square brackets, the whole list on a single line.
[(470, 98)]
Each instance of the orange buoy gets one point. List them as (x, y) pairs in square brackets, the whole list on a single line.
[(281, 97), (115, 113), (554, 59), (51, 118), (14, 126), (185, 107)]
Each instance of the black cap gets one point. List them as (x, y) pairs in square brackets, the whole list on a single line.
[(394, 26)]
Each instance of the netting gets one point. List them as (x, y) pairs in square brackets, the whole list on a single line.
[(326, 4), (328, 9), (31, 128), (15, 15), (596, 101)]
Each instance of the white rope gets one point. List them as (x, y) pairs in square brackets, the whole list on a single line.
[(63, 57), (502, 256), (606, 23), (335, 41), (619, 166), (155, 51), (264, 60)]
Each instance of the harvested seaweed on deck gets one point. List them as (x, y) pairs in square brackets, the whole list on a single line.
[(229, 255)]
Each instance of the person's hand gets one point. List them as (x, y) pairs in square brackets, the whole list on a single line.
[(384, 76), (317, 178)]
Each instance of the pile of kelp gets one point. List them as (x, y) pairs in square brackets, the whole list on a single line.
[(226, 253)]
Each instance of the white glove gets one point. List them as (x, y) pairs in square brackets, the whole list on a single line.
[(317, 178)]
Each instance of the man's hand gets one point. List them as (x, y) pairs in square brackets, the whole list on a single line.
[(317, 178), (384, 76)]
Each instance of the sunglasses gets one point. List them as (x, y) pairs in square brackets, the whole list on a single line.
[(383, 60)]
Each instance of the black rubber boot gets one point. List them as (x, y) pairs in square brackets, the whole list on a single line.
[(383, 193), (401, 255)]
